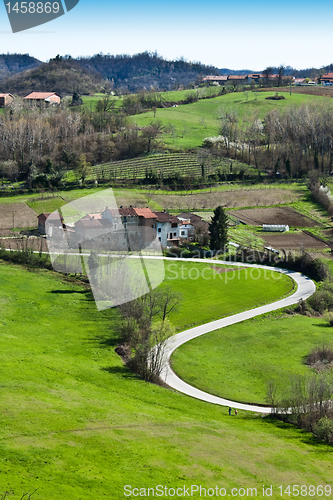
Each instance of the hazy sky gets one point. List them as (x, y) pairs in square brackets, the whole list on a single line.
[(226, 33)]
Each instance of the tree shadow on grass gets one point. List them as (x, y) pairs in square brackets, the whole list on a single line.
[(304, 436), (70, 291), (105, 341), (123, 371)]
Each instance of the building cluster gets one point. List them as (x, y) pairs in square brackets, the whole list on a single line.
[(326, 79), (120, 228), (48, 97)]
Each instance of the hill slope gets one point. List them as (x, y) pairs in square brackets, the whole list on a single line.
[(145, 70), (62, 76), (11, 64)]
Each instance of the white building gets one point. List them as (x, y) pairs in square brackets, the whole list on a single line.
[(167, 227)]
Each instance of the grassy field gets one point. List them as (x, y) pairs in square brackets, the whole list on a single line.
[(188, 125), (220, 294), (76, 424), (90, 102), (237, 362)]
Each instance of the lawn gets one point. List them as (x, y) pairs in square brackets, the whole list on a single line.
[(220, 294), (188, 125), (237, 362), (77, 425)]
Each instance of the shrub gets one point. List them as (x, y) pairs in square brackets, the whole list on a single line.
[(323, 353), (322, 299), (324, 429)]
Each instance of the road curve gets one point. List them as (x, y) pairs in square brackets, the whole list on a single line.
[(305, 288)]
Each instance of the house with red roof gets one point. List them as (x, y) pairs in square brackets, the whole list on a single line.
[(48, 97), (167, 226), (54, 221), (326, 79)]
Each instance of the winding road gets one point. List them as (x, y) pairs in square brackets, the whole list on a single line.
[(305, 288)]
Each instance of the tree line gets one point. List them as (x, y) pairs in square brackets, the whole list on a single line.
[(289, 142), (38, 145)]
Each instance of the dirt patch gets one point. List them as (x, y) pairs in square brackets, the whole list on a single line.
[(17, 215), (277, 215), (36, 244), (319, 90), (228, 199), (292, 241)]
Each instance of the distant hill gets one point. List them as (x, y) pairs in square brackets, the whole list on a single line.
[(145, 70), (11, 64), (62, 76), (226, 71)]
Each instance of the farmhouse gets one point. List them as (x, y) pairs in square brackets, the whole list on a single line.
[(5, 100), (167, 229), (54, 222), (48, 97), (215, 79), (327, 79), (191, 225), (118, 229)]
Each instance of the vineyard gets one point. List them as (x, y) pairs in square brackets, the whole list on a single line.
[(166, 166)]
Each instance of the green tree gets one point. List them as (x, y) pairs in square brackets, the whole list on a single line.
[(76, 99), (83, 168), (218, 229)]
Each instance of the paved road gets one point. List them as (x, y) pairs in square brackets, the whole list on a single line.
[(305, 288)]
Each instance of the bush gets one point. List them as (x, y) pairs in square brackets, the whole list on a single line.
[(324, 429), (322, 299), (323, 353)]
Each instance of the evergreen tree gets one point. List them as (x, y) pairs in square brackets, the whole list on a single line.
[(218, 229)]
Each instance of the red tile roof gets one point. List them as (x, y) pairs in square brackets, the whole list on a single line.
[(88, 223), (237, 77), (146, 213), (327, 76), (165, 217), (126, 211), (40, 95), (46, 215), (92, 216)]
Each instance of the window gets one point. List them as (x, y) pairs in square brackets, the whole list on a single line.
[(175, 234), (159, 230), (159, 239), (183, 233)]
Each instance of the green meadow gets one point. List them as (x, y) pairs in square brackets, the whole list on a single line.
[(237, 362), (188, 125), (211, 291), (77, 425)]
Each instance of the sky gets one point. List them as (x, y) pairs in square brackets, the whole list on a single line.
[(226, 33)]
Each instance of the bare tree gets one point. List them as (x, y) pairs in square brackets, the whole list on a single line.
[(145, 329)]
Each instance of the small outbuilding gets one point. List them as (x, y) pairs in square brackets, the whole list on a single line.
[(6, 99), (281, 228)]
